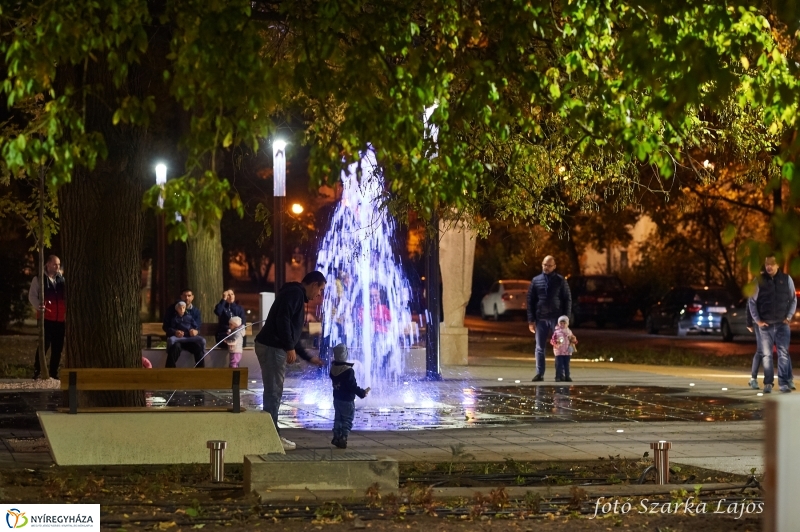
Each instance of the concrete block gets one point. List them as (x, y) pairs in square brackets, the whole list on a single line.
[(117, 438), (319, 470), (454, 346)]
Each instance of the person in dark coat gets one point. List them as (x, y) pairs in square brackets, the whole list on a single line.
[(278, 342), (345, 389), (548, 298), (225, 310), (187, 296), (182, 334)]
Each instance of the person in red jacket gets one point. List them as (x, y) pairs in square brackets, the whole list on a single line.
[(50, 303)]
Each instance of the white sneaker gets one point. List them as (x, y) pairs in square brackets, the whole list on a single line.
[(288, 445)]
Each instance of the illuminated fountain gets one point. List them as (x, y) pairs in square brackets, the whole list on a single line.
[(366, 301)]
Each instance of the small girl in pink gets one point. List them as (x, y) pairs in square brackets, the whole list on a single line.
[(236, 341), (563, 346)]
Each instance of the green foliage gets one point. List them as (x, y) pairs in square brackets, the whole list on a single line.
[(547, 115)]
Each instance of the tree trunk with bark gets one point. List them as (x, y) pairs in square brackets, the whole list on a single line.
[(204, 267), (101, 224)]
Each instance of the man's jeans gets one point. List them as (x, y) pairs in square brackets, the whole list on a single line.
[(777, 335), (345, 412), (273, 368), (544, 331), (757, 356)]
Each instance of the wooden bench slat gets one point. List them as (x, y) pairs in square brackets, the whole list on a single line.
[(154, 379), (113, 409)]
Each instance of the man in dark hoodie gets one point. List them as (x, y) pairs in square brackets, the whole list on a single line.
[(278, 343), (345, 389)]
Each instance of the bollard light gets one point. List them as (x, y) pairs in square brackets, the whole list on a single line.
[(217, 452), (661, 460)]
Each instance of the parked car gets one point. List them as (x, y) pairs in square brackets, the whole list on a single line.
[(505, 297), (690, 309), (734, 322), (599, 298)]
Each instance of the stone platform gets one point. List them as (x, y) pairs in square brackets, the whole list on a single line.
[(319, 470), (126, 438)]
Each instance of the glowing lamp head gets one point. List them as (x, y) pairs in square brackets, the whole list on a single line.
[(161, 174), (279, 167), (297, 208)]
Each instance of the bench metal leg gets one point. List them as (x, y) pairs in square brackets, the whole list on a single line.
[(73, 393), (235, 387)]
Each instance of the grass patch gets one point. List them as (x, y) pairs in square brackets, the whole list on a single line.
[(604, 470), (15, 371), (659, 357)]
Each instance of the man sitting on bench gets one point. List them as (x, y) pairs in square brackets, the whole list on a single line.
[(182, 333)]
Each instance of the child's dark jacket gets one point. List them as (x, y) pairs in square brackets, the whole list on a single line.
[(345, 387)]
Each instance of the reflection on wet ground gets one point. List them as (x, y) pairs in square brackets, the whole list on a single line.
[(436, 406)]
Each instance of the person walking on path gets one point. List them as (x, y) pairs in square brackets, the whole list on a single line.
[(226, 309), (772, 305), (50, 304), (548, 298), (278, 342), (345, 389)]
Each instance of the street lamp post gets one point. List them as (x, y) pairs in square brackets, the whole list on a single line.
[(161, 243), (279, 189)]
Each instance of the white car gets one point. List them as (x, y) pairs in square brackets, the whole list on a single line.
[(505, 297)]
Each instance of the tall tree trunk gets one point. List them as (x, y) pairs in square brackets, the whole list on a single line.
[(204, 267), (101, 228)]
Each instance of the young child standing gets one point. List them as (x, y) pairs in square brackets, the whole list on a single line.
[(563, 346), (345, 389), (236, 341)]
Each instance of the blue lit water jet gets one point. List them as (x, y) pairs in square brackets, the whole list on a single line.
[(366, 301)]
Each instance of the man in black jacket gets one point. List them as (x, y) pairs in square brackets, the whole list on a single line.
[(278, 343), (548, 298), (773, 305)]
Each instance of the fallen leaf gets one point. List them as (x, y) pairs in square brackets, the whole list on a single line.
[(166, 525)]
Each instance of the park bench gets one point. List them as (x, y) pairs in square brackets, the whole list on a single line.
[(154, 435), (128, 379), (150, 330)]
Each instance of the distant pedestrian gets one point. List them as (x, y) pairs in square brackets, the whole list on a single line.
[(225, 310), (345, 389), (50, 304), (278, 342), (235, 341), (548, 298), (772, 305), (563, 346)]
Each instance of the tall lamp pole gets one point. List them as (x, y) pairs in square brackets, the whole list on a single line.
[(161, 242), (279, 189)]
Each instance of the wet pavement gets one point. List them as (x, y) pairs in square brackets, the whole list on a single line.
[(709, 414), (449, 405)]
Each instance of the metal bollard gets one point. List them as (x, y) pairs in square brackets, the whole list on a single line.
[(217, 459), (661, 460)]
